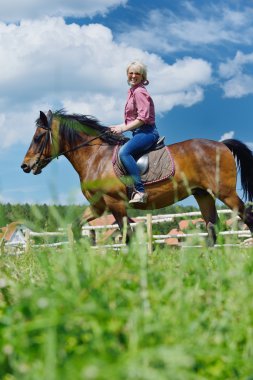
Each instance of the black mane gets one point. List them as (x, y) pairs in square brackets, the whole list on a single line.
[(71, 125)]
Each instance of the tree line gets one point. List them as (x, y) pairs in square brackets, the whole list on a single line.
[(39, 216), (51, 217)]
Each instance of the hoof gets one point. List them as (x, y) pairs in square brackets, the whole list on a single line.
[(211, 239), (77, 229), (248, 242)]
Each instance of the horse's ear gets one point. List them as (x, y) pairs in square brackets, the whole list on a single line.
[(43, 119)]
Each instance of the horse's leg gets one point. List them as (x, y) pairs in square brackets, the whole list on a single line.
[(90, 213), (248, 217), (236, 204), (119, 219), (208, 210), (118, 209)]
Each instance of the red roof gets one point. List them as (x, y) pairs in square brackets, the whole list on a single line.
[(103, 220), (9, 230), (173, 240), (184, 224)]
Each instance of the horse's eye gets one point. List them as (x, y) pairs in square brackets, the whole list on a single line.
[(37, 138)]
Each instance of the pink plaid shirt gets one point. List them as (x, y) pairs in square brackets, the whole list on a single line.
[(139, 105)]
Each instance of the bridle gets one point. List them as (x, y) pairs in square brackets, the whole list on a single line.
[(49, 138)]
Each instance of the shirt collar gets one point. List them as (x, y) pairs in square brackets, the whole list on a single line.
[(132, 89)]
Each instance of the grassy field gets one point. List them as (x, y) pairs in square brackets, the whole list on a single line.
[(77, 314)]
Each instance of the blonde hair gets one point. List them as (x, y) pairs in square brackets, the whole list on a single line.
[(141, 68)]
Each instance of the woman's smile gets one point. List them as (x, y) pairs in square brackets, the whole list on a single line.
[(134, 78)]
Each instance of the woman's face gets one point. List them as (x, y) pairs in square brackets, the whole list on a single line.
[(134, 76)]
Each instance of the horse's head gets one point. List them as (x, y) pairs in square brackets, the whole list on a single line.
[(58, 134), (39, 153)]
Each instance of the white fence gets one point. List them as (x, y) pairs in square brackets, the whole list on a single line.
[(27, 244), (149, 220)]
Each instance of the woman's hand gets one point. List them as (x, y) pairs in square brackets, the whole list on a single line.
[(117, 129)]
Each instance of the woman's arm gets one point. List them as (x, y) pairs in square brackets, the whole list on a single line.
[(124, 128)]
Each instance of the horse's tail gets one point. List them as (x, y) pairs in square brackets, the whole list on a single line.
[(244, 159)]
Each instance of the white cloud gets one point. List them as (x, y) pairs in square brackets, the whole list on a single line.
[(227, 135), (18, 126), (54, 65), (208, 24), (238, 86), (166, 102), (104, 107), (183, 74), (234, 66), (237, 83), (16, 10)]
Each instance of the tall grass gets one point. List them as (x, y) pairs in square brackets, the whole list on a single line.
[(77, 314)]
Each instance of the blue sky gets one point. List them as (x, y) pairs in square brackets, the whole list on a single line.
[(73, 54)]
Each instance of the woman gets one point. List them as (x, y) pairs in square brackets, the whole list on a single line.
[(139, 118)]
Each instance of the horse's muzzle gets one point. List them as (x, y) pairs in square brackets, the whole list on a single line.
[(26, 168), (34, 168)]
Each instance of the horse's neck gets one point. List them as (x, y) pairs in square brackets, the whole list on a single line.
[(87, 160)]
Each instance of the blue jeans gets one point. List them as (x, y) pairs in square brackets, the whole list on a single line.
[(143, 139)]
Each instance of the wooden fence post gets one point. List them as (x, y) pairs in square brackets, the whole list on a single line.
[(70, 235), (2, 243), (27, 241), (149, 233), (124, 234)]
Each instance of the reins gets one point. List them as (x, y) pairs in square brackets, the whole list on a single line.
[(85, 143)]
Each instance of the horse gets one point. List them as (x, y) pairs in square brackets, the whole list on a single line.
[(204, 168)]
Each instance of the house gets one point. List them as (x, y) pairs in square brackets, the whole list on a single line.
[(103, 234), (13, 234), (173, 240), (186, 224), (183, 225)]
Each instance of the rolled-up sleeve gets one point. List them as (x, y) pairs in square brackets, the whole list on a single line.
[(144, 106)]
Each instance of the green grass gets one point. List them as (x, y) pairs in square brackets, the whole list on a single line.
[(77, 314)]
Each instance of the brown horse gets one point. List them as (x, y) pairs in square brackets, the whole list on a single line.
[(203, 168)]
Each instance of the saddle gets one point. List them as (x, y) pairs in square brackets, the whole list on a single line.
[(155, 165), (143, 161)]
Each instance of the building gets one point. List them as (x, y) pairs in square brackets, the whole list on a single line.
[(183, 226), (102, 235), (13, 234)]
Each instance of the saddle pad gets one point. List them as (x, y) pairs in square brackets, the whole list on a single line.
[(161, 166)]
